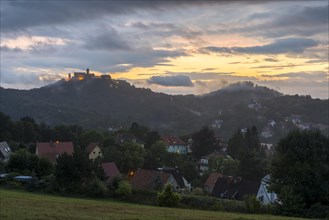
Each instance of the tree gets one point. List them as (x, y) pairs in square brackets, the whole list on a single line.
[(132, 156), (300, 173), (124, 189), (156, 155), (6, 127), (246, 148), (235, 143), (74, 173), (225, 165), (204, 142), (88, 137), (168, 197), (26, 163)]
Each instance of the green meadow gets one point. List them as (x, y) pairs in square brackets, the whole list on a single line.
[(25, 205)]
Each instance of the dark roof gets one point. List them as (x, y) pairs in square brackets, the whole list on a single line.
[(111, 170), (176, 174), (4, 149), (91, 147), (51, 150), (127, 137), (172, 140), (146, 179), (212, 179), (235, 188)]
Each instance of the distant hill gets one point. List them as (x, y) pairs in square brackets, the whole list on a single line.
[(105, 103)]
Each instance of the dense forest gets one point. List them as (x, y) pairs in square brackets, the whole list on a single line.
[(112, 104)]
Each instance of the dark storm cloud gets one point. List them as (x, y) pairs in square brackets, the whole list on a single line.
[(109, 39), (167, 29), (281, 46), (178, 80), (19, 15), (306, 21)]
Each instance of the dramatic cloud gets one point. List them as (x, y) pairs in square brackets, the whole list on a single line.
[(302, 75), (281, 46), (107, 40), (178, 80), (19, 15), (210, 43)]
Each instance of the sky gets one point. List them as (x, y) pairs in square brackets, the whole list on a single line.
[(175, 47)]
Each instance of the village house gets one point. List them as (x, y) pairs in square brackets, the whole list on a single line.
[(5, 151), (51, 150), (126, 138), (203, 164), (110, 170), (263, 194), (94, 151), (175, 145), (228, 187), (152, 180), (183, 184), (209, 185)]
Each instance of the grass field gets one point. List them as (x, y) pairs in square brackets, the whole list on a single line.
[(24, 205)]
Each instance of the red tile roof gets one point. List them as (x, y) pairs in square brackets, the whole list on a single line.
[(51, 150), (172, 140), (146, 179), (111, 170)]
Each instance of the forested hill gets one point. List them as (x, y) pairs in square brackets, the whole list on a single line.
[(104, 103)]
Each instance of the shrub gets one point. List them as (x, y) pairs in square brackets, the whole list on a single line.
[(252, 204), (124, 189), (317, 210), (198, 191), (97, 188), (167, 197), (145, 197)]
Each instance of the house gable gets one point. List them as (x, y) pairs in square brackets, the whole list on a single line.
[(5, 151), (94, 151)]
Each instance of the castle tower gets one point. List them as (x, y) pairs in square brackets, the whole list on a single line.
[(87, 71)]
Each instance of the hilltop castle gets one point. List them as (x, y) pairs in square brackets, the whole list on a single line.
[(86, 75)]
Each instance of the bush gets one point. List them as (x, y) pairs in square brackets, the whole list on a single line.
[(124, 189), (144, 197), (317, 210), (97, 188), (252, 204), (198, 191), (168, 197)]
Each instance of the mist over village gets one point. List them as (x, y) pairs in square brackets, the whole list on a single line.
[(158, 109)]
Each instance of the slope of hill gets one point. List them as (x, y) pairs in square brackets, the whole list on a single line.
[(38, 206), (103, 103)]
